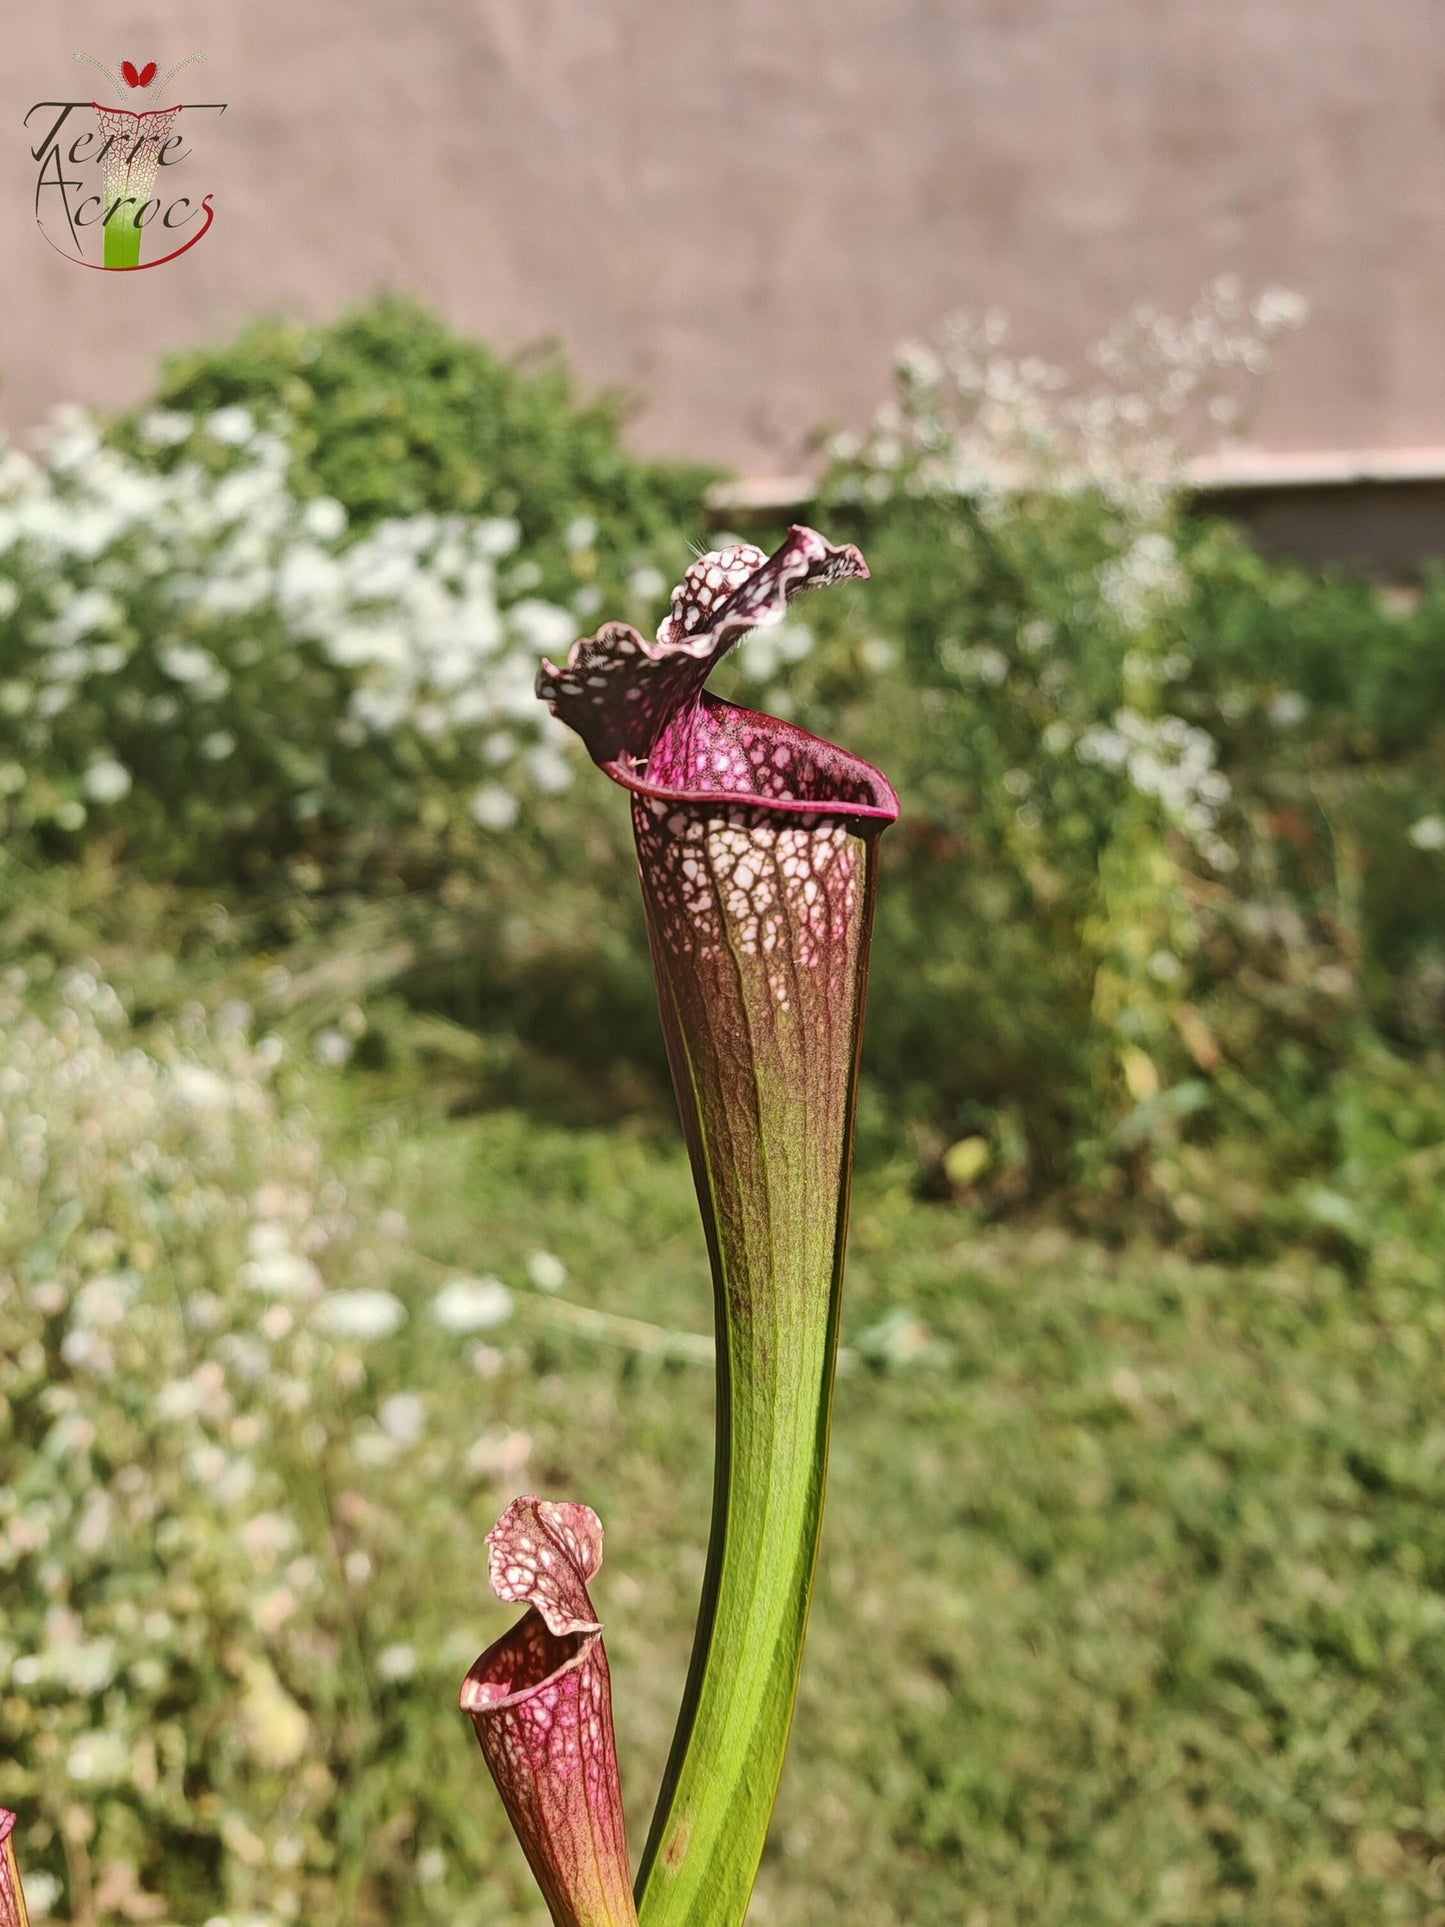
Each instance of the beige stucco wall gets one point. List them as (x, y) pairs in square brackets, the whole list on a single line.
[(737, 207)]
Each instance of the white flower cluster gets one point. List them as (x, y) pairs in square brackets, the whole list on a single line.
[(199, 1339), (971, 418), (141, 598), (1142, 582), (1172, 760)]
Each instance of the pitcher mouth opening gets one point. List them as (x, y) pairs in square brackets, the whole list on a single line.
[(533, 1657), (778, 752)]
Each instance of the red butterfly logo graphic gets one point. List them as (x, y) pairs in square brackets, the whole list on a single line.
[(142, 79)]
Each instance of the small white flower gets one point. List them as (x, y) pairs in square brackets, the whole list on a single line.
[(42, 1890), (234, 426), (493, 808), (92, 609), (542, 626), (166, 428), (396, 1662), (107, 781), (546, 1271), (199, 1087), (181, 1398), (360, 1314), (67, 665), (267, 1236), (281, 1274), (239, 497), (403, 1417), (1219, 853), (580, 534), (247, 1357), (333, 1049), (497, 536), (380, 709), (70, 437), (103, 1303), (184, 663), (1428, 833), (308, 585), (98, 1758), (1104, 746), (87, 1666), (376, 574), (472, 1305), (1288, 708), (324, 519)]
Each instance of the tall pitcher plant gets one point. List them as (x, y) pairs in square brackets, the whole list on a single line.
[(756, 848)]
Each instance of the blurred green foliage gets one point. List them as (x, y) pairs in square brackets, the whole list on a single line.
[(1171, 1015), (392, 413), (1130, 1606), (1161, 922)]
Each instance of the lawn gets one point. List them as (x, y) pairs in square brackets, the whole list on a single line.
[(1130, 1602), (1130, 1608)]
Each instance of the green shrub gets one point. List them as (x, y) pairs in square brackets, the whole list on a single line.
[(1170, 848), (392, 414), (1168, 866), (212, 675)]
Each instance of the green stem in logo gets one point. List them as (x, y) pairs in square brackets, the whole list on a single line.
[(122, 238)]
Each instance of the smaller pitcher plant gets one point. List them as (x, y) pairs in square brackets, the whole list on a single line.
[(756, 851), (12, 1897), (541, 1703)]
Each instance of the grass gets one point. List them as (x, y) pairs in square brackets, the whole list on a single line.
[(1131, 1601)]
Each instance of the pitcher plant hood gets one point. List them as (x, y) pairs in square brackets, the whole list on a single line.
[(540, 1699)]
